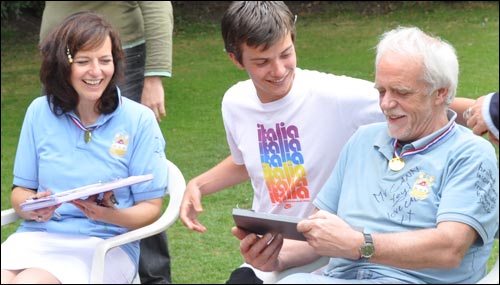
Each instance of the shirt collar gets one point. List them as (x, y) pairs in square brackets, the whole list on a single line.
[(384, 142)]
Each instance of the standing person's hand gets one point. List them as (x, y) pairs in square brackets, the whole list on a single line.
[(153, 96), (493, 139), (474, 117)]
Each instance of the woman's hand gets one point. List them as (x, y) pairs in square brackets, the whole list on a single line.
[(43, 214), (93, 207)]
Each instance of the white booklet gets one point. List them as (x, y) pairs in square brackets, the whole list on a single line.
[(80, 192), (262, 223)]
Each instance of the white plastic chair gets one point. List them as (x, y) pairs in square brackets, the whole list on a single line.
[(273, 277), (176, 187), (492, 276)]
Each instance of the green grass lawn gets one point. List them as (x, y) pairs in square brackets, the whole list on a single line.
[(339, 41)]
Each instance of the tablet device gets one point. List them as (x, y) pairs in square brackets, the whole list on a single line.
[(262, 223)]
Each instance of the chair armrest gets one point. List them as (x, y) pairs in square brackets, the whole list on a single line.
[(176, 188), (9, 216), (97, 271), (310, 267), (274, 276), (492, 276)]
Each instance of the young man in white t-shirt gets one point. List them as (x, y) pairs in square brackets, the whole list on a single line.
[(285, 126)]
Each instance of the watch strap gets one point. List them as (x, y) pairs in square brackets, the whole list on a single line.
[(368, 238)]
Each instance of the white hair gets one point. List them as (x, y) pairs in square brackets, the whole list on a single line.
[(438, 56)]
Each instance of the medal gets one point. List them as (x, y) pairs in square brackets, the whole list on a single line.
[(87, 136), (87, 132), (396, 164)]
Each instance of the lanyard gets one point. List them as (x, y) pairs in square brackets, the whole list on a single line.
[(87, 135), (398, 163)]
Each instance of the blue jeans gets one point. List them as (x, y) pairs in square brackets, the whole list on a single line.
[(133, 81), (154, 259)]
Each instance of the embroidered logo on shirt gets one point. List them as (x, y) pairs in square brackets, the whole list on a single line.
[(120, 144), (422, 186)]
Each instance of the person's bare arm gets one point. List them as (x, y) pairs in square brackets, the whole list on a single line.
[(441, 247), (459, 105), (223, 175), (153, 96), (139, 215)]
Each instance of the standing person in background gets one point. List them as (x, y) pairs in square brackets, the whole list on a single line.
[(145, 28), (80, 132), (482, 116)]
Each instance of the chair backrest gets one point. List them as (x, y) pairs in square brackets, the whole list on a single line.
[(492, 276)]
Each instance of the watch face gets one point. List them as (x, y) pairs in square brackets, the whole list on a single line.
[(367, 250)]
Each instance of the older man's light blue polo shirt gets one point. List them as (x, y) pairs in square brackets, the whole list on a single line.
[(455, 179)]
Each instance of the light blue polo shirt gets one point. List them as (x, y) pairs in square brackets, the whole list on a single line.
[(455, 179), (52, 154)]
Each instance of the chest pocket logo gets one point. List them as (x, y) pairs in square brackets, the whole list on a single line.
[(119, 145)]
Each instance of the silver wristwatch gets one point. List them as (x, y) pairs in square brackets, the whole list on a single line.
[(367, 249)]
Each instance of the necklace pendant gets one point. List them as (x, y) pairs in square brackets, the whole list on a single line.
[(87, 136), (396, 164)]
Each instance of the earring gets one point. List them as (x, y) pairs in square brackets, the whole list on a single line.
[(70, 58)]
